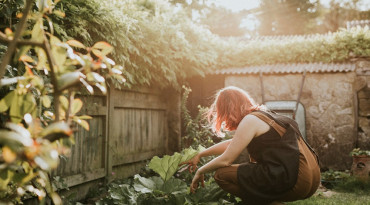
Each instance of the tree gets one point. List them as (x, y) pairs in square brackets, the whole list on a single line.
[(339, 13), (287, 17), (223, 22)]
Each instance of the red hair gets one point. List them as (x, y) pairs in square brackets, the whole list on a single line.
[(231, 105)]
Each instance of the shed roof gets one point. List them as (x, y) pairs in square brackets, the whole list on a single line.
[(361, 23), (290, 68)]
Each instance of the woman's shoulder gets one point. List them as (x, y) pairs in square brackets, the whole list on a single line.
[(254, 122)]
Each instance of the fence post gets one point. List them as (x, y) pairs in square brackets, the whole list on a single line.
[(109, 126)]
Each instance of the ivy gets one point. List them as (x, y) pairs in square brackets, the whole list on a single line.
[(341, 46)]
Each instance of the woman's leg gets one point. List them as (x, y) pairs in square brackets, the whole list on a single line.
[(227, 179)]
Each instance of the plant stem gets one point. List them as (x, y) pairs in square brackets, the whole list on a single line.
[(54, 80), (21, 42)]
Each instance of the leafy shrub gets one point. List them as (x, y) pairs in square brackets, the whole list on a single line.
[(197, 129), (38, 104), (165, 189), (332, 175), (359, 152)]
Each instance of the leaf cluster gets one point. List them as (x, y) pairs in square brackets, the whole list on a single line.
[(154, 42), (332, 175), (359, 152), (165, 189), (38, 106), (197, 129), (341, 46)]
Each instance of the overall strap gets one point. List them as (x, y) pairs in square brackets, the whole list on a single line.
[(279, 129)]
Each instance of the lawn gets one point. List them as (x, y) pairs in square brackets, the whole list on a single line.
[(350, 192), (335, 199)]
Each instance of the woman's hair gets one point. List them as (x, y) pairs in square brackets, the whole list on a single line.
[(231, 105)]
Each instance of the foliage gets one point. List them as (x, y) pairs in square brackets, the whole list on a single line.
[(332, 175), (340, 12), (168, 165), (223, 22), (338, 47), (8, 11), (39, 106), (156, 43), (359, 152), (165, 189), (154, 190), (197, 130), (150, 55), (287, 17)]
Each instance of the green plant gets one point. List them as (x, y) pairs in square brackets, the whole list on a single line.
[(38, 106), (197, 130), (165, 189), (332, 178), (332, 175), (359, 152)]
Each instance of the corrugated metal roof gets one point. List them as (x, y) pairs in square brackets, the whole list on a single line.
[(289, 37), (289, 68), (361, 23)]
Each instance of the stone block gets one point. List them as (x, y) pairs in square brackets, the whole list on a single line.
[(364, 107), (343, 120), (364, 94), (345, 111), (363, 141), (345, 134), (360, 82), (342, 89), (364, 124)]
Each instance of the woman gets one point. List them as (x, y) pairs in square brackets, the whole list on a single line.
[(282, 166)]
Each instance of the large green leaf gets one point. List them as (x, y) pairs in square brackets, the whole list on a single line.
[(147, 185), (167, 166), (156, 184)]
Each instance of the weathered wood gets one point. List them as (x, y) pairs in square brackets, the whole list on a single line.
[(137, 157), (110, 131), (85, 177), (128, 127), (134, 132)]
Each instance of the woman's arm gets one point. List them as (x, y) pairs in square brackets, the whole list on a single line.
[(247, 129), (216, 149)]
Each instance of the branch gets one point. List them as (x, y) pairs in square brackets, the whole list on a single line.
[(70, 101), (5, 39), (12, 45), (53, 76)]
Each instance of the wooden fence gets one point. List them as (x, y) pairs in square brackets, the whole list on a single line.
[(128, 128)]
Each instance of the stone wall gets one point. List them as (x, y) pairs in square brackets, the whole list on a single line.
[(362, 86), (329, 100)]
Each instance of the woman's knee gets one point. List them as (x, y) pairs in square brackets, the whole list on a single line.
[(226, 174)]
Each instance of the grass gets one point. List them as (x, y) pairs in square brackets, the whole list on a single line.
[(349, 192), (335, 199)]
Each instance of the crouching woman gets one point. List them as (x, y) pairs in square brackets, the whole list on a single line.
[(282, 166)]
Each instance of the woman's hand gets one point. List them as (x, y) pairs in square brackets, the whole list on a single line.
[(192, 163), (195, 182)]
